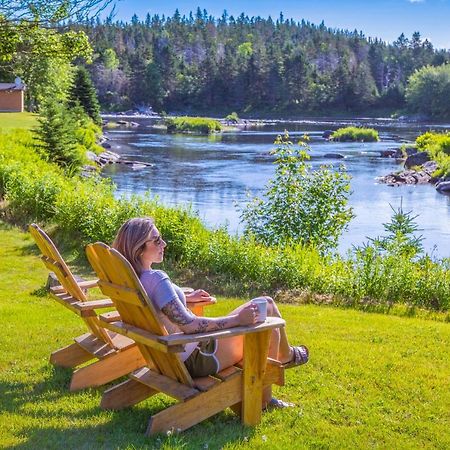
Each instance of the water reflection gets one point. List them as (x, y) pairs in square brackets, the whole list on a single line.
[(215, 173)]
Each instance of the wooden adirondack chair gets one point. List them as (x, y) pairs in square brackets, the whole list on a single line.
[(239, 388), (115, 355)]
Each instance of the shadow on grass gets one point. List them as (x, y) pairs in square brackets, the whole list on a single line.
[(53, 417), (122, 432)]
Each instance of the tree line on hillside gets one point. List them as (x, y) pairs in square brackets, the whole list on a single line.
[(199, 62)]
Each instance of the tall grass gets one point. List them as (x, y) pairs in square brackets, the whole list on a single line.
[(355, 134), (88, 211), (200, 125)]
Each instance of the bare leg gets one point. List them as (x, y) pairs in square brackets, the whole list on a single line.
[(230, 350), (285, 352)]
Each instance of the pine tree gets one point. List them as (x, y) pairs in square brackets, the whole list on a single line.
[(83, 93), (55, 135)]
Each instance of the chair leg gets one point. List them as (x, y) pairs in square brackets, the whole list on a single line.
[(108, 369), (274, 374), (70, 356), (126, 394), (186, 414)]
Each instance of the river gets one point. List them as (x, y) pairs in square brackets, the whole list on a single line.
[(215, 173)]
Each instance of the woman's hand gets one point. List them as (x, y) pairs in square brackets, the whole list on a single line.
[(248, 315), (199, 296)]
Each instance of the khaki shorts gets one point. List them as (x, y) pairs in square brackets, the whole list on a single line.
[(203, 361)]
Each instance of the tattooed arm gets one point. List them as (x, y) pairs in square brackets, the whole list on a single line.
[(190, 324)]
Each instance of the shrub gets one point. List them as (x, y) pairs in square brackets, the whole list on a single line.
[(199, 125), (400, 238), (233, 118), (29, 184), (355, 134), (300, 205), (438, 147)]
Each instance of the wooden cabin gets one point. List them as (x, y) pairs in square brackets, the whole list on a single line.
[(12, 96)]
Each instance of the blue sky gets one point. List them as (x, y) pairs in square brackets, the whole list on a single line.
[(378, 18)]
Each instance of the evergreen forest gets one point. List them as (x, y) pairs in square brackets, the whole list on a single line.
[(202, 63)]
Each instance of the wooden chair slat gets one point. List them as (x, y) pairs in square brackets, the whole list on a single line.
[(125, 294), (94, 345), (137, 334), (204, 384), (49, 251), (95, 304), (228, 372), (164, 384)]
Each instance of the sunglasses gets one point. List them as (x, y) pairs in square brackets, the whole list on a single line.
[(157, 240)]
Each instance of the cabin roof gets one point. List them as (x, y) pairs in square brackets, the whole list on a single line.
[(11, 87)]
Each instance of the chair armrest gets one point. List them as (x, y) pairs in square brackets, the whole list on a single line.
[(197, 307), (201, 303), (174, 343), (88, 284), (177, 339), (94, 304), (84, 284), (111, 316)]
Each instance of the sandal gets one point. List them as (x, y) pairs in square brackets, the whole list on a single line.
[(275, 403), (300, 357)]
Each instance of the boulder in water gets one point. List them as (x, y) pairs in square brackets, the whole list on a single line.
[(389, 153), (417, 159), (334, 155), (443, 186)]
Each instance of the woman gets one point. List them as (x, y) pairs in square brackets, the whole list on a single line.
[(140, 242)]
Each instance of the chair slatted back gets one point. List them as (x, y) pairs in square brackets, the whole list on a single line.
[(54, 262), (118, 280)]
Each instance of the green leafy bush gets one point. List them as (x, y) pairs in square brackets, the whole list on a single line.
[(355, 134), (233, 117), (29, 184), (428, 91), (438, 147), (201, 125), (299, 205)]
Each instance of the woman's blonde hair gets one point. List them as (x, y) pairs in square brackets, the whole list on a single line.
[(131, 238)]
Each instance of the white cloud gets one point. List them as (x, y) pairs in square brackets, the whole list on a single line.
[(416, 1)]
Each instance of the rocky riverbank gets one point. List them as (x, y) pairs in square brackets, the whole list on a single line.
[(418, 169)]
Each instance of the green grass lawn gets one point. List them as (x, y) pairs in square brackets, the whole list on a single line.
[(374, 381), (25, 120)]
